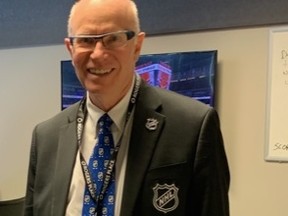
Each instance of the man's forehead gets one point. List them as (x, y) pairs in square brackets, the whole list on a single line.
[(101, 14)]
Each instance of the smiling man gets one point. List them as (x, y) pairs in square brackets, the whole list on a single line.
[(126, 149), (105, 69)]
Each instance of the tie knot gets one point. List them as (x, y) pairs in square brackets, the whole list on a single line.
[(105, 121)]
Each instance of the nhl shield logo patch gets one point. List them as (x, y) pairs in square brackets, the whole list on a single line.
[(165, 197)]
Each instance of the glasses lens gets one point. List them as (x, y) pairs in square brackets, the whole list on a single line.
[(115, 40), (84, 41)]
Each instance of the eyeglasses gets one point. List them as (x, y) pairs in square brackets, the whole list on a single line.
[(110, 40)]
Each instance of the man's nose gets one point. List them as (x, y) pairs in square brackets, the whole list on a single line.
[(98, 49)]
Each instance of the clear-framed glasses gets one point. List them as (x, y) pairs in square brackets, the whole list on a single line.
[(109, 40)]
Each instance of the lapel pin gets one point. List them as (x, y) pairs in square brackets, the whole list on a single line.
[(152, 124)]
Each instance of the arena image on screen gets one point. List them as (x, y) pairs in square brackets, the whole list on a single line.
[(188, 73)]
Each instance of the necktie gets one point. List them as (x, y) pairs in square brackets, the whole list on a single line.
[(97, 166)]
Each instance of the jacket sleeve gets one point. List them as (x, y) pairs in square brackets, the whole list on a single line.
[(211, 172), (28, 210)]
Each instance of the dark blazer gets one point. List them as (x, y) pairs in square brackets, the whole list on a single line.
[(176, 160)]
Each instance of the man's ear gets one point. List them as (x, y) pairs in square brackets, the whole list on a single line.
[(139, 43), (69, 48), (68, 45)]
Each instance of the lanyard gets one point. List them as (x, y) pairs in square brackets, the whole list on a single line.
[(81, 117)]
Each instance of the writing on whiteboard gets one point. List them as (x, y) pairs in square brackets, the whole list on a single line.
[(280, 146), (284, 58)]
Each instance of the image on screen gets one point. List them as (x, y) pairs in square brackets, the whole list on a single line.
[(187, 73)]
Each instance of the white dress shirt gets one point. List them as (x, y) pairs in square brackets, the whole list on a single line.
[(118, 115)]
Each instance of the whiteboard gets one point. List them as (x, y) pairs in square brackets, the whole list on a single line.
[(277, 106)]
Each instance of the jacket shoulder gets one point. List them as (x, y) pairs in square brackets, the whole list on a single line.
[(177, 104), (64, 117)]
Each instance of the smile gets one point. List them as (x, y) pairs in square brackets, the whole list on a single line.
[(100, 71)]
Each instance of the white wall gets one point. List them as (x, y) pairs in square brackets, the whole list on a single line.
[(30, 92)]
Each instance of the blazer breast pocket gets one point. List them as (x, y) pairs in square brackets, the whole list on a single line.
[(164, 191)]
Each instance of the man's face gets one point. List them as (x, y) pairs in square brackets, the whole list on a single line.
[(104, 72)]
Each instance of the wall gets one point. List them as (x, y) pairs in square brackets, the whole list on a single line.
[(30, 92)]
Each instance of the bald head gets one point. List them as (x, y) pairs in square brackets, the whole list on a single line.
[(123, 11)]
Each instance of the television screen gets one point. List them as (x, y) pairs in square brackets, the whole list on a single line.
[(187, 73)]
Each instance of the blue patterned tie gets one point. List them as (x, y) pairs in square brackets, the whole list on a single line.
[(97, 167)]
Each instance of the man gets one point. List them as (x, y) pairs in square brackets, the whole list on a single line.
[(171, 158)]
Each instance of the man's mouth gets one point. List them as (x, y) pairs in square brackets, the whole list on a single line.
[(99, 71)]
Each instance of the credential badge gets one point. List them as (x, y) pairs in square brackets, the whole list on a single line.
[(165, 197), (152, 124)]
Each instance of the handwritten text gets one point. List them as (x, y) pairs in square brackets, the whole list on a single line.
[(280, 146)]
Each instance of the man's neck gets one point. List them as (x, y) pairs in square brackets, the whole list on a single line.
[(107, 101)]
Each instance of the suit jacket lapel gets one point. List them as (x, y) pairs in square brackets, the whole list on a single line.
[(142, 145), (66, 156)]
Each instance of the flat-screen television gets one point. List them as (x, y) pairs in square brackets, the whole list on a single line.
[(188, 73)]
